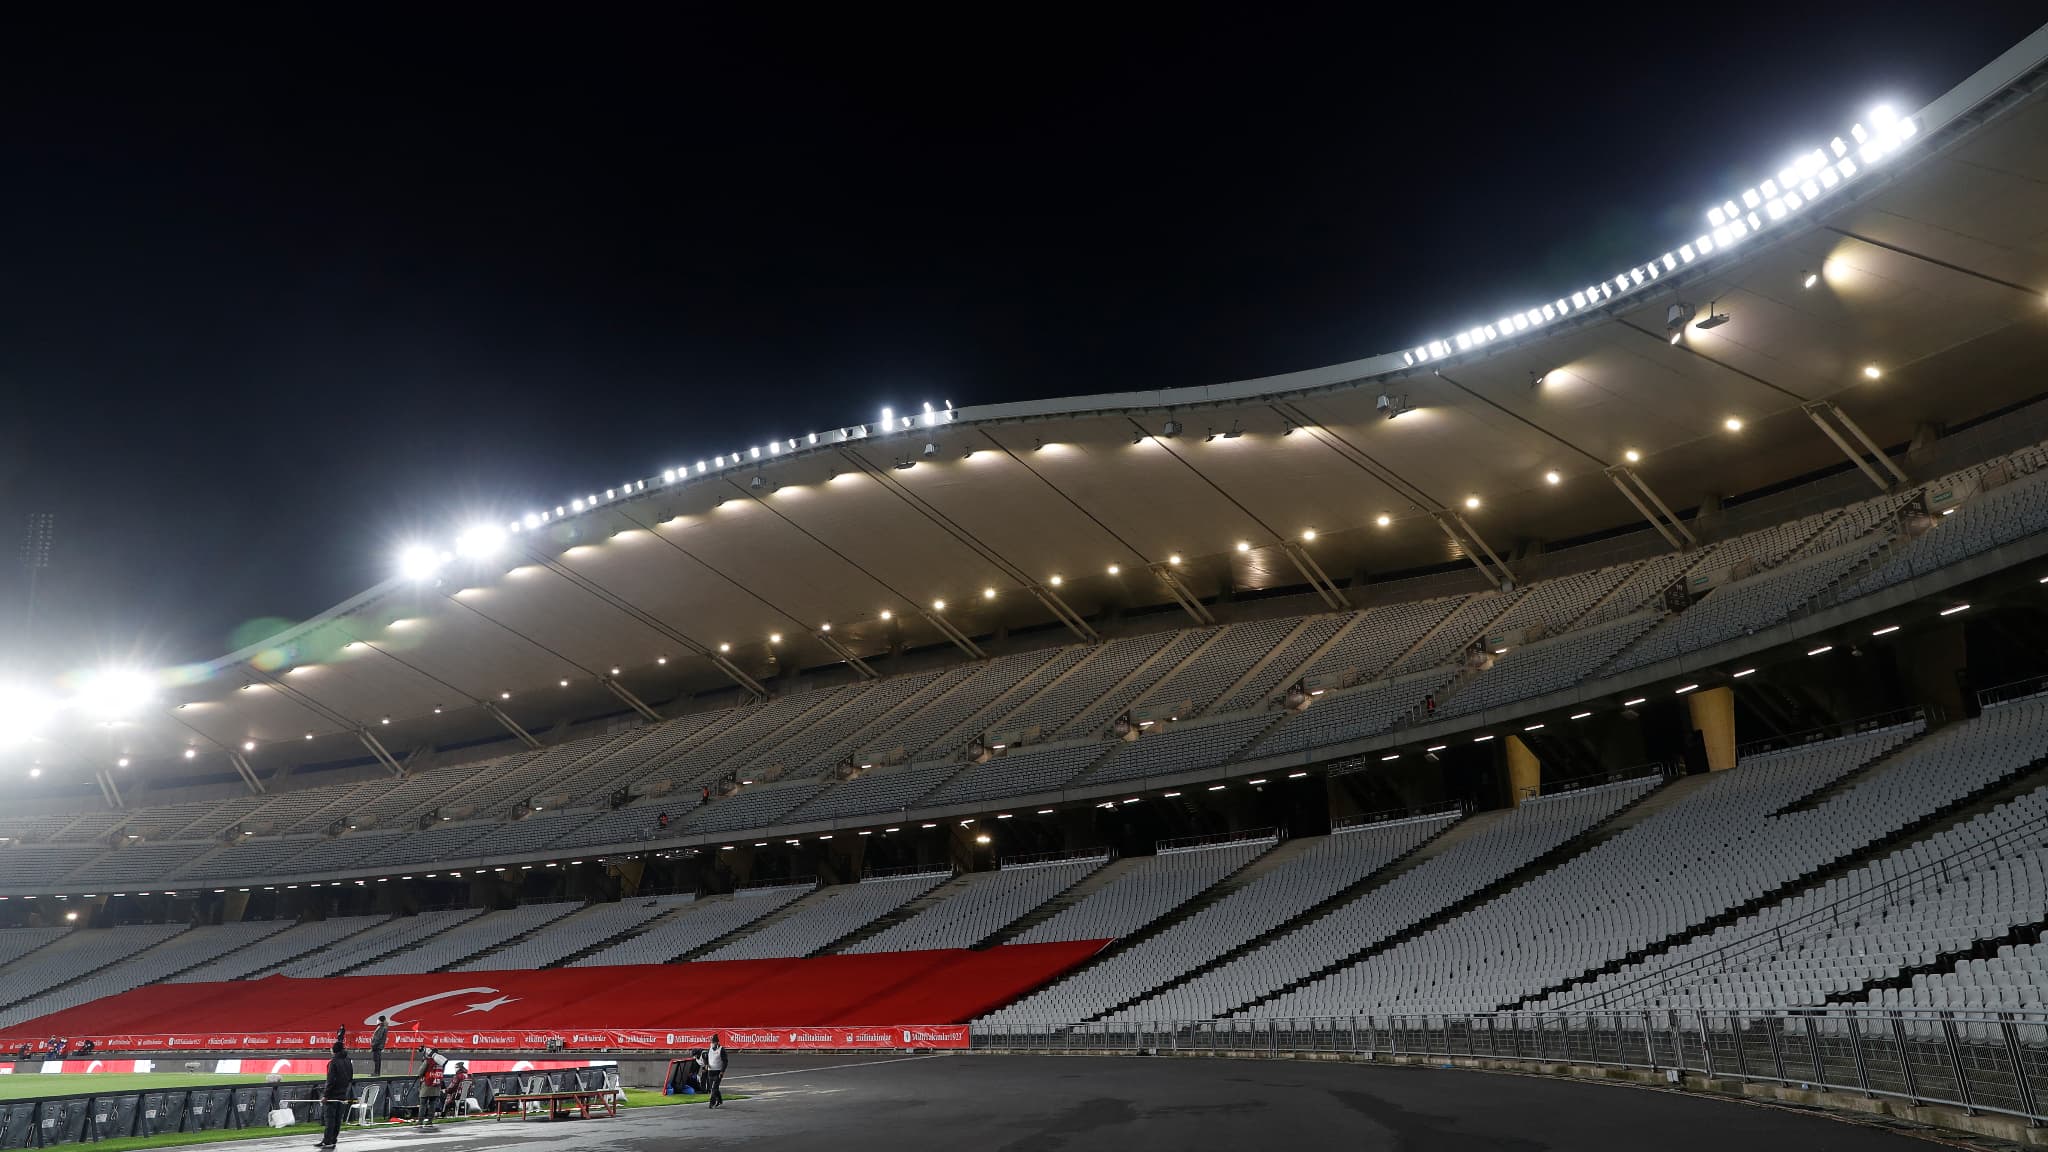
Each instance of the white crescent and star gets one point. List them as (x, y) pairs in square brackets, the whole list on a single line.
[(491, 1005)]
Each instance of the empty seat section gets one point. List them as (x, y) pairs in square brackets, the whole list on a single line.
[(984, 905), (827, 916)]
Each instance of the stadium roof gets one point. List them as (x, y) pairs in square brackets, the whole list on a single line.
[(1909, 292)]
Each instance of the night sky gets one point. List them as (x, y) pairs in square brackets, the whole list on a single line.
[(279, 291)]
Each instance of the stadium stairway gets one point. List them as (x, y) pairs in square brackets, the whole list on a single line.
[(2016, 783), (514, 941), (1616, 822), (310, 953), (1095, 881), (81, 943), (898, 915), (1276, 856), (794, 907), (1274, 859), (1852, 778), (622, 934)]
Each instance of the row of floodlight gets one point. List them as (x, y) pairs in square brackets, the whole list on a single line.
[(1808, 178)]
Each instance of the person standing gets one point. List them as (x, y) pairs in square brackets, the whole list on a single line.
[(430, 1089), (334, 1095), (714, 1071), (377, 1040)]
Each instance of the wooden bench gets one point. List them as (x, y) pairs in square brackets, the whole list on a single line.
[(558, 1104)]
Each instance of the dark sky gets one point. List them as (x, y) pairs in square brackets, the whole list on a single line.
[(278, 291)]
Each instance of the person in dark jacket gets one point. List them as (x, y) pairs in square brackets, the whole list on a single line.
[(377, 1040), (714, 1071), (334, 1096)]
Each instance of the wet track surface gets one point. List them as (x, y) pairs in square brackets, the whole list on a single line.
[(1080, 1104)]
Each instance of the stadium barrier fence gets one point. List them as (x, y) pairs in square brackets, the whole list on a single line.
[(1971, 1059), (94, 1116)]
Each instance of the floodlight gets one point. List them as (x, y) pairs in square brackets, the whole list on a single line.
[(418, 562), (116, 693), (480, 542)]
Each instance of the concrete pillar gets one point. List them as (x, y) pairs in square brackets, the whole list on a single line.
[(233, 906), (1713, 714), (629, 870), (1525, 772)]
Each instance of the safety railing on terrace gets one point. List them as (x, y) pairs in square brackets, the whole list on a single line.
[(1980, 1061), (1663, 768), (1390, 815), (1033, 859), (1819, 922), (1830, 731), (1210, 839), (2013, 690)]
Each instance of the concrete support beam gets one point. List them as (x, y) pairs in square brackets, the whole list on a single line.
[(1525, 772), (1713, 716)]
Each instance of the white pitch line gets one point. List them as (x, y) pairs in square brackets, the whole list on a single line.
[(830, 1067)]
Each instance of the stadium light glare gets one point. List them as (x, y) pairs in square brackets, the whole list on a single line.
[(1631, 455), (1244, 545), (1872, 372), (1115, 568), (419, 563), (24, 713), (115, 693), (480, 542), (1733, 424), (1384, 520), (1552, 478), (1471, 501)]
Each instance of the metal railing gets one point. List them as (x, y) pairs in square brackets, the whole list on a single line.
[(1394, 816), (1976, 1060), (1818, 922), (1211, 839), (1830, 731), (2013, 690), (1661, 768)]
